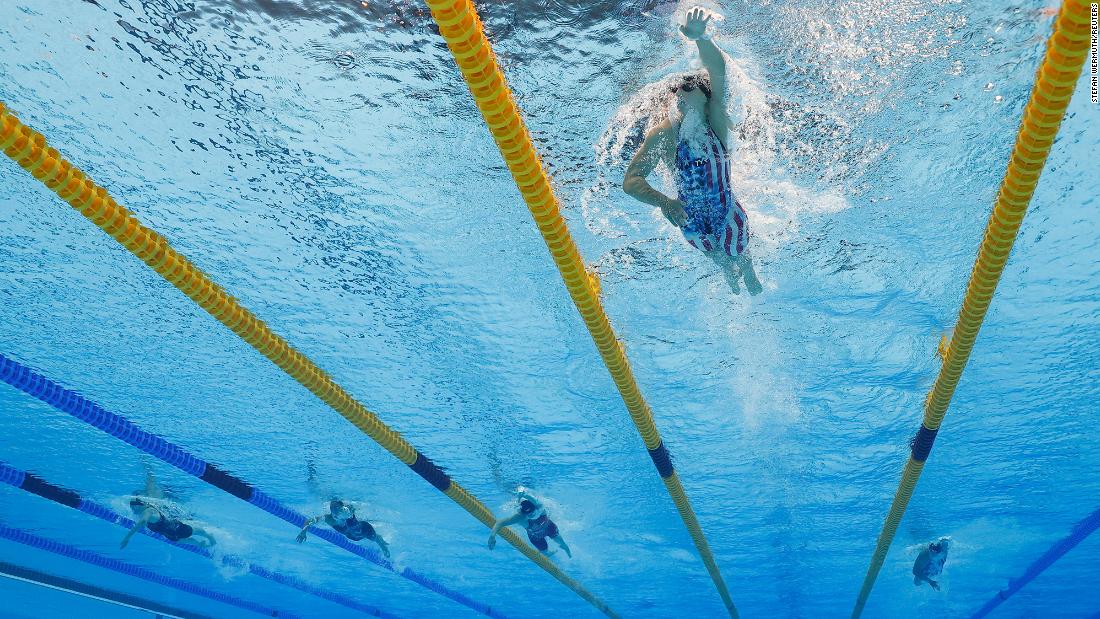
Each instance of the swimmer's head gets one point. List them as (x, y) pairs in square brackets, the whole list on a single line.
[(340, 510), (940, 545), (692, 92), (527, 501)]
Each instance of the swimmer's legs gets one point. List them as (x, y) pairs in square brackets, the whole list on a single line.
[(751, 281), (207, 540), (383, 546), (729, 269), (561, 542)]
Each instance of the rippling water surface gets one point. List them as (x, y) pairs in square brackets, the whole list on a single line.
[(324, 162)]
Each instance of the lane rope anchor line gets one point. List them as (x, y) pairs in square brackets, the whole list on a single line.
[(461, 27), (1055, 82), (86, 556), (1080, 531)]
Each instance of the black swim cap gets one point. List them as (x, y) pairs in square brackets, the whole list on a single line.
[(692, 81), (526, 506)]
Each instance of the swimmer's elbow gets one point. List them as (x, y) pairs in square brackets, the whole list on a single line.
[(630, 184)]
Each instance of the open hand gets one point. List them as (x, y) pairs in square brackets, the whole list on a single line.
[(695, 25), (492, 542), (301, 537), (675, 213)]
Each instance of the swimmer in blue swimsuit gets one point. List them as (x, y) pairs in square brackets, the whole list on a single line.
[(148, 506), (341, 516), (930, 561), (534, 518), (693, 145)]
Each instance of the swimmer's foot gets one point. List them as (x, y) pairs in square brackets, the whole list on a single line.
[(744, 264), (752, 284), (731, 279)]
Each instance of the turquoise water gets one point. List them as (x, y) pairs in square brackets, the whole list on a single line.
[(325, 164)]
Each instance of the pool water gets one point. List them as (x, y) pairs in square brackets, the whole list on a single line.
[(323, 162)]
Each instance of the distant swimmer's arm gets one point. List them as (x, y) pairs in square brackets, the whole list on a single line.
[(145, 516), (500, 524), (305, 527), (920, 567), (642, 165)]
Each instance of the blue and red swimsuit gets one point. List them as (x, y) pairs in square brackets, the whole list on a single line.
[(715, 219)]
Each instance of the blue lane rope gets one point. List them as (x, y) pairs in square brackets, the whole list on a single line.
[(34, 384), (72, 552), (107, 596), (1080, 531), (33, 484)]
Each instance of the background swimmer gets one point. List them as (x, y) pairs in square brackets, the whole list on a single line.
[(534, 518), (930, 562), (341, 516), (147, 505)]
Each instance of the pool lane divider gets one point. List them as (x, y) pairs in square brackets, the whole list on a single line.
[(28, 148), (86, 556), (473, 53), (31, 483), (36, 385), (1080, 531), (1055, 82), (57, 583)]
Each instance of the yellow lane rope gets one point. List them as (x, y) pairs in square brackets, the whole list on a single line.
[(29, 149), (460, 26), (1054, 84)]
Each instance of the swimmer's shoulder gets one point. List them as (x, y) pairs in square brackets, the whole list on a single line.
[(662, 130), (663, 137)]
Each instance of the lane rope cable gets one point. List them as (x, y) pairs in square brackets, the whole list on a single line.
[(72, 587), (86, 556), (29, 149), (1080, 531), (1054, 85), (462, 29)]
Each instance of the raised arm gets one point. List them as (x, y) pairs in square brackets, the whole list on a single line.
[(714, 61), (642, 165)]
